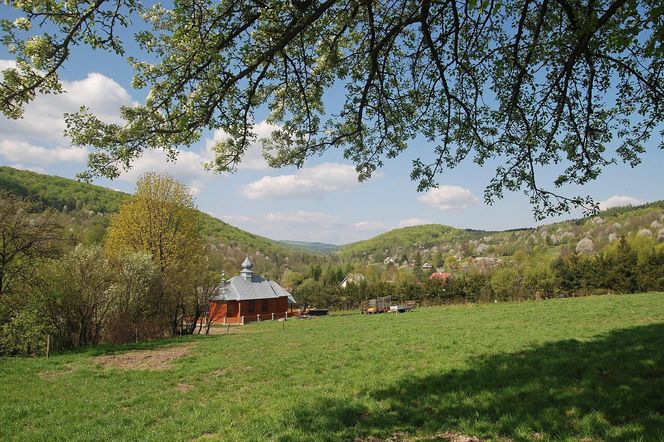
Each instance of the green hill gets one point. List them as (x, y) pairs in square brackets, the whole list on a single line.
[(545, 241), (86, 211), (60, 193), (406, 241), (319, 247)]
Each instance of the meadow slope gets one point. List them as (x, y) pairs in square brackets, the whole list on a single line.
[(567, 369)]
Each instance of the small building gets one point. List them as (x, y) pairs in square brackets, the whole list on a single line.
[(427, 267), (248, 297), (441, 276), (352, 278)]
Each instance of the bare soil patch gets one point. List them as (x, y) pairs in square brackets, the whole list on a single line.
[(449, 436), (221, 372), (54, 374), (158, 359), (457, 437), (184, 387), (225, 329)]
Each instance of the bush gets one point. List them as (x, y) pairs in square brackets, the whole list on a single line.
[(25, 334)]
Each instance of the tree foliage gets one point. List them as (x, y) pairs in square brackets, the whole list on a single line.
[(136, 310), (60, 193), (519, 83), (25, 237), (161, 220), (75, 294)]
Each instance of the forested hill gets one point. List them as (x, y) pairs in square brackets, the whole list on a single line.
[(86, 211), (435, 243), (406, 241), (60, 193), (319, 247)]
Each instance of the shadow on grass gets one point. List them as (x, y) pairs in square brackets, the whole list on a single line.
[(610, 388), (154, 344)]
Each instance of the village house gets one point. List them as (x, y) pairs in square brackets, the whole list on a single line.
[(441, 276), (352, 278), (248, 297)]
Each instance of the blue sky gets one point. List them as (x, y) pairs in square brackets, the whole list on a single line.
[(321, 202)]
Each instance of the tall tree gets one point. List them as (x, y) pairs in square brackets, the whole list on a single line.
[(523, 83), (160, 219), (136, 309), (25, 236), (417, 266), (438, 260), (75, 293)]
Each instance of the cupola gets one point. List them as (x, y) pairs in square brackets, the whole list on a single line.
[(246, 271)]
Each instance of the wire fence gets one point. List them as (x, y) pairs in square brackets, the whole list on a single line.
[(259, 317)]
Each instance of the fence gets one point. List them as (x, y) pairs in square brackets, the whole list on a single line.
[(254, 318)]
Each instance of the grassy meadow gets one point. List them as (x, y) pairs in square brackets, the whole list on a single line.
[(569, 369)]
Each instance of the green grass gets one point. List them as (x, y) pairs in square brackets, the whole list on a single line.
[(571, 369)]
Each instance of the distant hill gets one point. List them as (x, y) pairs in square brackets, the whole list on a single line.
[(60, 193), (319, 247), (87, 209), (546, 241), (408, 241)]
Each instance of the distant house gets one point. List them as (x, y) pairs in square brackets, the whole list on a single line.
[(352, 278), (249, 297), (441, 276), (487, 262), (427, 267)]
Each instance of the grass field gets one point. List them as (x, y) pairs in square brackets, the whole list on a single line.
[(570, 369)]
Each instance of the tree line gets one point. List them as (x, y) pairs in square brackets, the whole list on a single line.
[(627, 265), (150, 278)]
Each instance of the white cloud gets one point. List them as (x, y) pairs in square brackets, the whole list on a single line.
[(410, 222), (43, 122), (37, 139), (309, 182), (7, 64), (187, 168), (299, 225), (305, 218), (236, 220), (23, 167), (103, 95), (618, 200), (448, 198), (369, 226), (253, 157), (24, 152)]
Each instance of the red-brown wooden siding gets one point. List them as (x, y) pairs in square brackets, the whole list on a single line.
[(219, 309)]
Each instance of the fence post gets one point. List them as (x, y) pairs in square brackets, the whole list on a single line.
[(242, 320), (258, 317), (273, 316), (224, 320), (286, 314), (48, 345)]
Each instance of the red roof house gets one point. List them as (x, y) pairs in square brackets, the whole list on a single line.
[(442, 276)]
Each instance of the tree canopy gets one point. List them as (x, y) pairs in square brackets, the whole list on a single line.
[(515, 84), (160, 220)]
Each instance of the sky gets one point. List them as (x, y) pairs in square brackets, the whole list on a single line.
[(322, 202)]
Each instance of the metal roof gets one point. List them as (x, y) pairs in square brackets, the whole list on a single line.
[(239, 289)]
